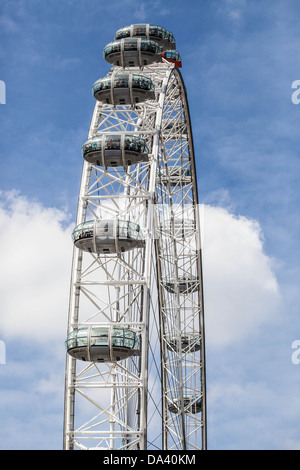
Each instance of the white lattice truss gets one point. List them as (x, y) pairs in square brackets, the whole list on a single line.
[(126, 404)]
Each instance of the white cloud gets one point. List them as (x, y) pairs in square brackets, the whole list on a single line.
[(241, 291), (241, 294), (233, 9), (35, 247)]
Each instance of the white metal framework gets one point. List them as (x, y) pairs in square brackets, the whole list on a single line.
[(152, 396)]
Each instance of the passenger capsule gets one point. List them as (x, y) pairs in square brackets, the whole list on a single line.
[(124, 88), (157, 33), (173, 57), (188, 343), (113, 150), (176, 175), (102, 344), (107, 236), (185, 284), (178, 128), (178, 228), (191, 404), (132, 52)]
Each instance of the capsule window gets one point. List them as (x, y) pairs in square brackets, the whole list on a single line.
[(121, 82), (139, 30), (130, 45), (113, 142), (99, 337)]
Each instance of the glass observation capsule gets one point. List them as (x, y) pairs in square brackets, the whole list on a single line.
[(102, 344), (157, 33), (179, 228), (123, 88), (179, 128), (102, 236), (112, 150), (132, 52), (173, 57), (175, 175), (187, 342), (185, 284), (190, 405)]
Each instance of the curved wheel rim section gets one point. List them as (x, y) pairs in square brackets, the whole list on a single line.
[(180, 271)]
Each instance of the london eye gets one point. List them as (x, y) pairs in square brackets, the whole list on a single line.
[(135, 345)]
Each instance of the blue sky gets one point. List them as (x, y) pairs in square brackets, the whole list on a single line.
[(240, 58)]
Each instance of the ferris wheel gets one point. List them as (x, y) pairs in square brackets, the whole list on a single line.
[(135, 362)]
